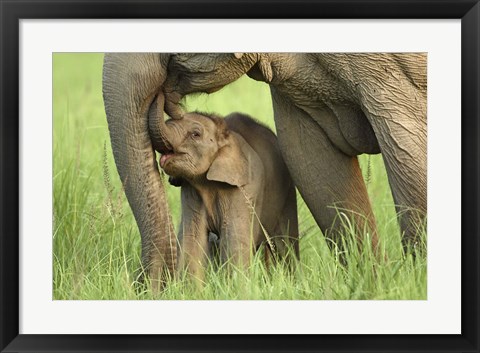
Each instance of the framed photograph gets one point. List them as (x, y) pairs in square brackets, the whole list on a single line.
[(124, 234)]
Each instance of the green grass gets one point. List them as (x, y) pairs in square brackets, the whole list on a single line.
[(96, 244)]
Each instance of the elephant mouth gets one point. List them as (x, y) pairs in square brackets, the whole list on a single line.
[(166, 152), (165, 157)]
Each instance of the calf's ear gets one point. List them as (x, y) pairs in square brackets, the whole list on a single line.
[(230, 166)]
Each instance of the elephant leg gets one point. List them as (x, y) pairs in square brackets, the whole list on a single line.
[(406, 165), (235, 248), (194, 250), (130, 83), (193, 237), (286, 230), (328, 180), (402, 136), (236, 244)]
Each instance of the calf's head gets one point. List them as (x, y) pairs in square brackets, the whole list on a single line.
[(200, 147)]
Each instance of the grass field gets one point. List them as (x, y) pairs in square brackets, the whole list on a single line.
[(96, 244)]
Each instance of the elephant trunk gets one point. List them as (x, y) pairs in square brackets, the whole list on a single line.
[(156, 125), (130, 84)]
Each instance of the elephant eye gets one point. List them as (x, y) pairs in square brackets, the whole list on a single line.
[(195, 134)]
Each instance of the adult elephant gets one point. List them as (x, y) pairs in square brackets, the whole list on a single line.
[(328, 109)]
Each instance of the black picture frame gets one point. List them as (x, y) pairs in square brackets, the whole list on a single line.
[(12, 11)]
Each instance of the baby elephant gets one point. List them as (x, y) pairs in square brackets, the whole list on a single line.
[(234, 183)]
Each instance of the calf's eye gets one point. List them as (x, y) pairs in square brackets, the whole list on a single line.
[(196, 134)]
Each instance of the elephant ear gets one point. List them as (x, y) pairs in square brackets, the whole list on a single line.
[(229, 166)]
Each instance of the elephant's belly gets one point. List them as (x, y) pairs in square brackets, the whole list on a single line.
[(347, 128)]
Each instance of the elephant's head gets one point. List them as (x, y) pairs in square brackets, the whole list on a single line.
[(200, 147)]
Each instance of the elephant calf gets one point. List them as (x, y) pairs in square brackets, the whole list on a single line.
[(234, 183)]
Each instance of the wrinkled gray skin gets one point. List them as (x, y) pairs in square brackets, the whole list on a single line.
[(328, 109), (130, 83), (233, 179)]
